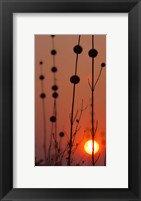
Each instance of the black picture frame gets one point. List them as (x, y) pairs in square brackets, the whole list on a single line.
[(7, 8)]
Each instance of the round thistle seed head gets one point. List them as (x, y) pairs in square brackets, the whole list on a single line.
[(53, 52), (93, 53), (75, 79), (61, 134), (42, 95), (103, 65), (41, 77), (53, 119), (78, 49), (55, 95), (54, 69), (54, 87)]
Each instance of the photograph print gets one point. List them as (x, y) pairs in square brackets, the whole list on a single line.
[(70, 100)]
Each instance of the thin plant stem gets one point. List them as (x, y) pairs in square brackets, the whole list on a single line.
[(97, 158), (72, 111), (44, 118), (44, 125), (55, 109), (92, 90), (98, 77), (56, 144), (50, 144), (105, 159)]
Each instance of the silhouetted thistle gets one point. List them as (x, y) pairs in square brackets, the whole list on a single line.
[(43, 96), (92, 53), (102, 66), (74, 80), (53, 119)]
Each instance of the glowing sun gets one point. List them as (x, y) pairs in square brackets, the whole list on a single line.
[(88, 147)]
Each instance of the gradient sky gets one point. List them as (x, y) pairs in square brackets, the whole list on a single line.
[(65, 62)]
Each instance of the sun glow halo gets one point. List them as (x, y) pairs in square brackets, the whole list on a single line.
[(88, 147)]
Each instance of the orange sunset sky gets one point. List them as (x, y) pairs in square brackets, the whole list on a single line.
[(65, 62)]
